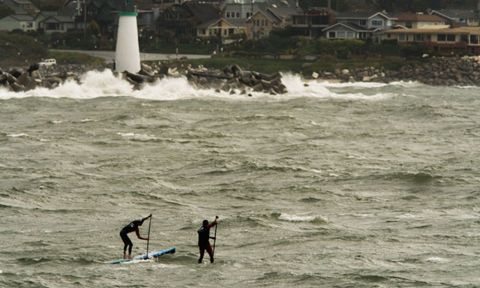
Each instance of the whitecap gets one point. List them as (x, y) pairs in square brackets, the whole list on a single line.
[(434, 259), (301, 218), (138, 137), (94, 84), (17, 135)]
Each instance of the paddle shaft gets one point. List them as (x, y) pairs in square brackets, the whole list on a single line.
[(148, 241), (215, 238)]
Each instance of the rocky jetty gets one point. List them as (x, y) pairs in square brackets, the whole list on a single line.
[(232, 79), (447, 71)]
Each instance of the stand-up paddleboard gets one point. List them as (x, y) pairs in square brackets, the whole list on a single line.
[(153, 254)]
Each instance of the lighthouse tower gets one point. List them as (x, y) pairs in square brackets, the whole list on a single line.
[(127, 53)]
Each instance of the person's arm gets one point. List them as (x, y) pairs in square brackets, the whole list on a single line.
[(143, 219), (213, 223), (138, 234)]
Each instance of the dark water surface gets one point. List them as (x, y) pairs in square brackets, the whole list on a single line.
[(329, 186)]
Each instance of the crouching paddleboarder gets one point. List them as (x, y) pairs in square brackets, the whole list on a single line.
[(133, 226), (204, 237)]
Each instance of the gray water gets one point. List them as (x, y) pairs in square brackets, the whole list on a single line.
[(328, 186)]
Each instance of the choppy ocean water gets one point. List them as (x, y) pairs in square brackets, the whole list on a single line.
[(331, 185)]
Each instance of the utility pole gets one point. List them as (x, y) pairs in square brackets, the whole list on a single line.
[(84, 19)]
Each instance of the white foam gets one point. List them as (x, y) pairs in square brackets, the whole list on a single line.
[(138, 137), (301, 218), (17, 135), (94, 84), (437, 260), (298, 87)]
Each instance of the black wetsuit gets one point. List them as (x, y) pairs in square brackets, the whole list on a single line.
[(204, 243), (133, 226)]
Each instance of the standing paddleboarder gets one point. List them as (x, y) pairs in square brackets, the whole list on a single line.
[(204, 237), (133, 226)]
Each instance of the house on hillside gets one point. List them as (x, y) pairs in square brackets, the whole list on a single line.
[(24, 23), (420, 21), (24, 17), (183, 20), (312, 21), (457, 38), (457, 17), (261, 24), (56, 24), (223, 30), (359, 25), (271, 16), (368, 20)]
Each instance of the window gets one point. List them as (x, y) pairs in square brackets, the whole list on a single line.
[(418, 37), (474, 39), (363, 22), (377, 23), (341, 34), (451, 38), (238, 14), (228, 14), (441, 37), (401, 37), (331, 34), (350, 35)]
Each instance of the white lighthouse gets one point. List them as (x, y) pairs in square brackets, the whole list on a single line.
[(127, 53)]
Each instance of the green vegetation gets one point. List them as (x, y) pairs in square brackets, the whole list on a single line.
[(76, 58), (20, 49), (5, 11)]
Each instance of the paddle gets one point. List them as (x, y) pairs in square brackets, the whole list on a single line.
[(215, 236), (148, 237)]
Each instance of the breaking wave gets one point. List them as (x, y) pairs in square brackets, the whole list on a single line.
[(94, 84)]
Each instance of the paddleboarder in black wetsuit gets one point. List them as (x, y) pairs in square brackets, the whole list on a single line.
[(203, 239), (133, 226)]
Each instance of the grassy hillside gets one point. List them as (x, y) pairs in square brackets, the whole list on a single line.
[(18, 49)]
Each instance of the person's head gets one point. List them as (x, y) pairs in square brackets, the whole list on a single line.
[(205, 223), (140, 222)]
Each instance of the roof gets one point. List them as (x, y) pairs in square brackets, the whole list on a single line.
[(284, 9), (21, 17), (231, 22), (349, 26), (361, 14), (267, 14), (416, 17), (58, 19), (455, 13), (202, 12), (458, 30)]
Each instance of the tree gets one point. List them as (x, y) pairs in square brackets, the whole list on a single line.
[(5, 11)]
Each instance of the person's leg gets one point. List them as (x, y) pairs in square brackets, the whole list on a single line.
[(127, 245), (210, 252), (130, 246), (202, 252)]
